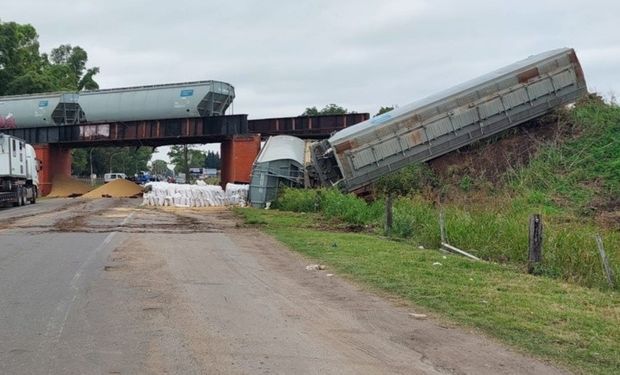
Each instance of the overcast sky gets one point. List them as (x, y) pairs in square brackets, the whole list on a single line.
[(283, 56)]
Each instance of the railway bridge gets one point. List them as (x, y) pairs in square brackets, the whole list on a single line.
[(151, 116)]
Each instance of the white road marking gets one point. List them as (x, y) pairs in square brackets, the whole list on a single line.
[(55, 326), (127, 218)]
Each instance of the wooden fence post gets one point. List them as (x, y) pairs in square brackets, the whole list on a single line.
[(442, 226), (388, 214), (609, 274), (535, 243)]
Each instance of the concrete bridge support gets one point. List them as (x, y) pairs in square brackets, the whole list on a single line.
[(238, 154), (55, 161)]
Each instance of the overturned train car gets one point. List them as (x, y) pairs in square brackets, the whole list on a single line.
[(357, 156), (167, 101)]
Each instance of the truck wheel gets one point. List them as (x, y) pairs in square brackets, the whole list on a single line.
[(18, 197), (23, 197), (33, 200)]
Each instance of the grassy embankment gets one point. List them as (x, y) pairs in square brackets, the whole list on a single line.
[(567, 314)]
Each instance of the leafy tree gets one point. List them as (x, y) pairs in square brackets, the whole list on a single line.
[(330, 109), (213, 160), (311, 111), (24, 70), (160, 167), (81, 162), (195, 158), (20, 60), (383, 110), (128, 160), (68, 65)]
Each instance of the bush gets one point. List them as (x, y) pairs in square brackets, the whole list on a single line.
[(416, 218), (349, 208), (332, 203), (410, 179), (298, 200)]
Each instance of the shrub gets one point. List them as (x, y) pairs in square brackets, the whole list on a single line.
[(298, 200), (349, 208), (410, 179), (417, 219)]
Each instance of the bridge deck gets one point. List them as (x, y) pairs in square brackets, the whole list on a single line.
[(186, 130)]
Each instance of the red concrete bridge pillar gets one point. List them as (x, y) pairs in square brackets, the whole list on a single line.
[(238, 154), (55, 161)]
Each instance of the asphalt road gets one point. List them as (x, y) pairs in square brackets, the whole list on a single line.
[(107, 287)]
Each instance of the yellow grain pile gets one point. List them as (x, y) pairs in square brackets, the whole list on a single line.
[(116, 189), (65, 186)]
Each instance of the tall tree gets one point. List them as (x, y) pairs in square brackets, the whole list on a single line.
[(128, 160), (160, 168), (383, 110), (195, 158), (68, 65), (24, 70), (21, 65), (330, 109), (213, 160)]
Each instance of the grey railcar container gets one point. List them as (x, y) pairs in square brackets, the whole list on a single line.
[(168, 101), (426, 129), (178, 100), (38, 109)]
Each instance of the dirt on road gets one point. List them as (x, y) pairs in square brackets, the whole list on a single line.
[(194, 292), (236, 301)]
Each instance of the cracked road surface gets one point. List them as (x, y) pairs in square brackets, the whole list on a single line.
[(107, 287)]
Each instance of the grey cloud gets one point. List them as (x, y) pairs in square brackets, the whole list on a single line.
[(283, 56)]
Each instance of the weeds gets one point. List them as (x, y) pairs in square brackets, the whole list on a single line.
[(569, 179)]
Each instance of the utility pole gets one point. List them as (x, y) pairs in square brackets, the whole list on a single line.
[(92, 180), (185, 157)]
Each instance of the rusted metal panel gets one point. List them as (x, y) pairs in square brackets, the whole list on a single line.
[(138, 133), (346, 146), (316, 127), (450, 119), (527, 75), (415, 138)]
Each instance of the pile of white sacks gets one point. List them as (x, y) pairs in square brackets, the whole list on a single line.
[(200, 195)]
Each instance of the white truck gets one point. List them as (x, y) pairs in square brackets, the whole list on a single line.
[(19, 179)]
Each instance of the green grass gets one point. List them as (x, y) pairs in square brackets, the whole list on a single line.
[(497, 231), (574, 177), (570, 325), (583, 170)]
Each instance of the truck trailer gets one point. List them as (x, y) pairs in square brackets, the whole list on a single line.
[(19, 179)]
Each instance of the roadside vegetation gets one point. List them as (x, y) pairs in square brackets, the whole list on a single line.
[(568, 171), (573, 180), (570, 325)]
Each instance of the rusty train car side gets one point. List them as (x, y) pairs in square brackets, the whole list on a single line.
[(426, 129)]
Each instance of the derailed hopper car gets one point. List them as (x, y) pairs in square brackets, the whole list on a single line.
[(357, 156)]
